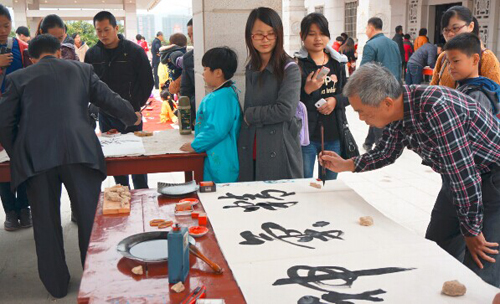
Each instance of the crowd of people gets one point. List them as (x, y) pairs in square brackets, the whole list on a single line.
[(292, 107)]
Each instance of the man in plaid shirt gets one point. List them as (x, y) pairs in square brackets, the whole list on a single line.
[(455, 136)]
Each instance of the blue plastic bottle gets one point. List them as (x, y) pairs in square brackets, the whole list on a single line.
[(178, 254)]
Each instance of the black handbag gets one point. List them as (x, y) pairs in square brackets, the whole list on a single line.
[(348, 146)]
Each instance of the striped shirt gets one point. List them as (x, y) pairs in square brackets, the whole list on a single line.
[(452, 134)]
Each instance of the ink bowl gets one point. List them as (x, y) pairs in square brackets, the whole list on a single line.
[(197, 231)]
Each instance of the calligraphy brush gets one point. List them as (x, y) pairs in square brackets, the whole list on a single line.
[(323, 169)]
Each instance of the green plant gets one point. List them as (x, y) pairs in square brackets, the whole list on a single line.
[(87, 31)]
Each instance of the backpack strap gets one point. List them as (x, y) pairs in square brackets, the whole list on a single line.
[(289, 64)]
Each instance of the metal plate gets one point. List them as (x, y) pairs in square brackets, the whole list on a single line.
[(177, 190), (149, 247)]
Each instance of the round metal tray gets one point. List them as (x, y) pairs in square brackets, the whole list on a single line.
[(149, 247)]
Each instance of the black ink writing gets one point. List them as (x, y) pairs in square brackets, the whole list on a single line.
[(250, 207), (242, 201), (340, 298), (265, 194), (321, 224), (274, 231), (315, 277)]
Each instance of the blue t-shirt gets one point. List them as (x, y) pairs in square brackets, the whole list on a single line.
[(17, 61)]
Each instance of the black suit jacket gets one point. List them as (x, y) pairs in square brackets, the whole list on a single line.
[(187, 82), (44, 118)]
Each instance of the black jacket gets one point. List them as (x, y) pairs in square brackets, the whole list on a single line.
[(331, 123), (187, 81), (44, 119), (169, 57), (399, 40), (155, 51), (128, 72)]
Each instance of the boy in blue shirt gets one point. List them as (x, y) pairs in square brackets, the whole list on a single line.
[(218, 118), (463, 53)]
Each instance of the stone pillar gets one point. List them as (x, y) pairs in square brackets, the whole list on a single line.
[(366, 10), (222, 23), (399, 11), (130, 19), (335, 13), (33, 22), (293, 13), (19, 8)]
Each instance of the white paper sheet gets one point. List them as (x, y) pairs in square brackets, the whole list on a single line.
[(122, 145), (166, 142), (277, 248), (3, 156)]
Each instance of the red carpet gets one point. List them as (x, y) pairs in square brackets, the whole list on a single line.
[(151, 117)]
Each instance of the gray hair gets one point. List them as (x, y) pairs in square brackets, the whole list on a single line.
[(373, 83)]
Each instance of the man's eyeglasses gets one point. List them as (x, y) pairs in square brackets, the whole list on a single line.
[(453, 30), (271, 36)]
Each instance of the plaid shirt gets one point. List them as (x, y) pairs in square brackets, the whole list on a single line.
[(453, 135)]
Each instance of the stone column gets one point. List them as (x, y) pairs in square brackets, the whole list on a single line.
[(33, 22), (222, 23), (130, 19), (366, 10), (398, 15), (293, 13), (19, 8), (335, 13)]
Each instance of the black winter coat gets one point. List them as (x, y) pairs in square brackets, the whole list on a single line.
[(128, 72)]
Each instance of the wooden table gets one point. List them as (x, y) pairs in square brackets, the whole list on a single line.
[(188, 163), (107, 276)]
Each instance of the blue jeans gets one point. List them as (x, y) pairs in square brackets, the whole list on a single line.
[(309, 154), (414, 74)]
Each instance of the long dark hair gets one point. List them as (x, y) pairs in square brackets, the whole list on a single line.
[(49, 22), (279, 56), (463, 14), (347, 46)]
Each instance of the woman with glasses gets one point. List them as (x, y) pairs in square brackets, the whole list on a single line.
[(457, 20), (314, 56), (269, 144)]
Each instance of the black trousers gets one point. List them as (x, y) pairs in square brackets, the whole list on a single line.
[(13, 201), (444, 228), (155, 75), (44, 193), (374, 136)]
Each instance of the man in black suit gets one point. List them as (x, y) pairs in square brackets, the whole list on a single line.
[(45, 129)]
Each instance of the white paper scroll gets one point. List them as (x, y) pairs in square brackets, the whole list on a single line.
[(316, 232), (122, 145)]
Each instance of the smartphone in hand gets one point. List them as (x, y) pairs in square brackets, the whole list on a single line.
[(323, 72), (319, 103)]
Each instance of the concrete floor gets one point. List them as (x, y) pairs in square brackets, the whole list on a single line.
[(405, 192)]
